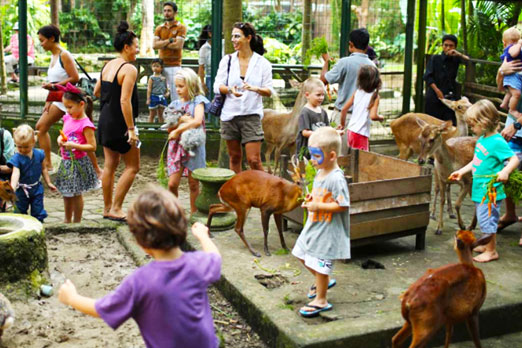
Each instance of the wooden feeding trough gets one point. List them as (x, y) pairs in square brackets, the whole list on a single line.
[(389, 198)]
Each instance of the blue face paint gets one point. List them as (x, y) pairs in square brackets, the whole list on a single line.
[(317, 154)]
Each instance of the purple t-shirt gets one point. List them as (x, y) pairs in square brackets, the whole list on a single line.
[(168, 300)]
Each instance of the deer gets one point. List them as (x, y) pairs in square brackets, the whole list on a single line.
[(406, 132), (7, 315), (445, 296), (450, 155), (255, 188), (281, 128), (7, 193)]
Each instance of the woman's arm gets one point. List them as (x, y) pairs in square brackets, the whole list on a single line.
[(47, 178), (70, 67), (128, 74)]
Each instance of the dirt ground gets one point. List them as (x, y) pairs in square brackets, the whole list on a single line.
[(97, 263)]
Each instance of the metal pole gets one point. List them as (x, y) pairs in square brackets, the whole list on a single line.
[(408, 57), (217, 39), (22, 60), (421, 52), (346, 13)]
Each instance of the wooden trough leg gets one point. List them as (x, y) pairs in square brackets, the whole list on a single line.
[(420, 239)]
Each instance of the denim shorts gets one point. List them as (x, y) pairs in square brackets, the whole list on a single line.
[(515, 144), (157, 101), (488, 224), (513, 81)]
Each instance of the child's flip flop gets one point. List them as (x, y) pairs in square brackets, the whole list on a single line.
[(316, 311), (331, 284)]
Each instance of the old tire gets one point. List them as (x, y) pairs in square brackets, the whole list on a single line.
[(22, 247)]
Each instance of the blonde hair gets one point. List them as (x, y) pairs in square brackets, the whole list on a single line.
[(311, 83), (192, 82), (511, 34), (23, 134), (327, 139), (483, 113)]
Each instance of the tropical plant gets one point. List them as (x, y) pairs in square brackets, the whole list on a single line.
[(37, 16)]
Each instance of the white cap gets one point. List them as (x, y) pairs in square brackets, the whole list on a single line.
[(15, 26)]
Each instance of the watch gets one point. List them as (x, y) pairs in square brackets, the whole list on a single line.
[(171, 40), (517, 125)]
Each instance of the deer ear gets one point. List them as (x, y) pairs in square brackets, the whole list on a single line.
[(421, 122), (483, 240), (445, 126), (465, 99)]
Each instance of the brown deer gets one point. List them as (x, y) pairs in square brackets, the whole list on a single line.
[(450, 155), (445, 296), (255, 188), (406, 130), (7, 194), (280, 128)]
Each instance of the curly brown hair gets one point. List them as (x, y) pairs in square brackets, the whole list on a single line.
[(157, 219)]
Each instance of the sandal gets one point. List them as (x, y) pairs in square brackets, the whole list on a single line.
[(313, 288), (316, 311)]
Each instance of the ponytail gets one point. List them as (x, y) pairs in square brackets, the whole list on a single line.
[(256, 44)]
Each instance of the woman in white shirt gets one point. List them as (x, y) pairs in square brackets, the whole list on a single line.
[(249, 79)]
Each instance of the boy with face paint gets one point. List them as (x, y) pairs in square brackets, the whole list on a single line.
[(326, 234)]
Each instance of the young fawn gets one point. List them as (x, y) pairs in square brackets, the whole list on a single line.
[(450, 155), (445, 296), (255, 188)]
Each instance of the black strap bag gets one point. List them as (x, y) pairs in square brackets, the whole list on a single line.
[(219, 99)]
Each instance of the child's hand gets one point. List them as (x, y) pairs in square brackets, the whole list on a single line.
[(457, 175), (52, 187), (340, 131), (326, 57), (199, 230), (174, 135), (310, 206), (380, 118), (502, 176), (68, 145), (67, 292)]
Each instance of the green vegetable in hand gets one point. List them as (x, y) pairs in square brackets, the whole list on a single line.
[(319, 46), (161, 172), (513, 187)]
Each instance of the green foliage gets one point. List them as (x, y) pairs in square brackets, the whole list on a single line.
[(37, 16), (161, 171), (388, 39), (284, 27), (276, 51), (80, 28), (319, 46)]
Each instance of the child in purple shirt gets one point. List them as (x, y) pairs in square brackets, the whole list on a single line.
[(167, 297)]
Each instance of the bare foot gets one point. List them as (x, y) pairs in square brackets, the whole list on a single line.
[(504, 105), (480, 249), (486, 256)]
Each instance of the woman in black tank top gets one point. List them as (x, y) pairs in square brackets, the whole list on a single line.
[(116, 131)]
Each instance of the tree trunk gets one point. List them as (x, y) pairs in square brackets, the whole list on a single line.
[(72, 5), (307, 28), (55, 11), (132, 8), (442, 19), (463, 26), (515, 14), (147, 30), (232, 13), (365, 4), (3, 75)]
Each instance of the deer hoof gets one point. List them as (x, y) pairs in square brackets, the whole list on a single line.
[(438, 232), (267, 253), (255, 253), (433, 217), (452, 216)]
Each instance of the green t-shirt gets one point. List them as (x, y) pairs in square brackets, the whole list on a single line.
[(490, 154)]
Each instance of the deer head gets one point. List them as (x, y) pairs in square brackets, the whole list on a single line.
[(465, 242), (459, 106), (430, 138), (298, 177), (7, 193)]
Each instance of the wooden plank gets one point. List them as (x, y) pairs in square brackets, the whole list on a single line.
[(390, 225), (480, 87), (389, 203), (389, 188), (378, 167), (419, 242), (362, 217)]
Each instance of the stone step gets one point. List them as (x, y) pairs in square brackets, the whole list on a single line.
[(505, 341)]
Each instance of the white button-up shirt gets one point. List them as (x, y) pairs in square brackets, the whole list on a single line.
[(259, 74)]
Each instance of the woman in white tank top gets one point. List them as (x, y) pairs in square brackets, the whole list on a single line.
[(365, 103), (61, 70)]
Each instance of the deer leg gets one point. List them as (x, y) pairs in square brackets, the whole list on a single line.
[(462, 194), (402, 335), (265, 218), (279, 223), (449, 332), (436, 195), (268, 152), (217, 208), (450, 205), (241, 218), (472, 324), (442, 192)]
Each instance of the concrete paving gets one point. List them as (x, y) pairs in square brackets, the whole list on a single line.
[(366, 307)]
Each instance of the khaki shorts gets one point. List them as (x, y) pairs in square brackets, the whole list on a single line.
[(246, 128)]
